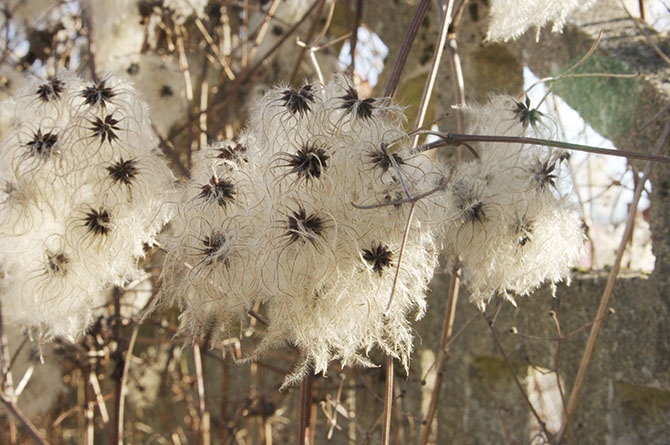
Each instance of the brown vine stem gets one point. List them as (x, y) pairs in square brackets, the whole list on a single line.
[(447, 328), (454, 280), (354, 36), (434, 68), (389, 92), (123, 381), (607, 294), (401, 60), (305, 408), (508, 365), (310, 33), (261, 31), (388, 401), (454, 139)]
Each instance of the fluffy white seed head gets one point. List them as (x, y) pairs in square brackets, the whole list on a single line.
[(321, 268), (510, 18), (510, 229), (83, 191)]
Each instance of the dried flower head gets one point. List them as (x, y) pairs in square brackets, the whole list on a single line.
[(509, 18), (544, 174), (123, 171), (379, 256), (352, 104), (298, 101), (526, 115), (68, 235), (309, 162), (519, 238), (57, 263), (51, 90), (230, 153), (215, 249), (219, 190), (381, 159), (42, 144), (303, 251), (105, 129), (303, 227), (98, 93), (97, 221)]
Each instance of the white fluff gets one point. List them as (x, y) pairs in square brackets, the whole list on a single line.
[(508, 19), (56, 175), (310, 272)]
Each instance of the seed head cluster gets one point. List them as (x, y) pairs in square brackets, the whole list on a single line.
[(291, 240), (84, 190), (509, 226)]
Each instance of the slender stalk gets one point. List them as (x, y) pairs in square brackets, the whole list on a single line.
[(454, 139), (123, 390), (13, 408), (122, 386), (401, 60), (305, 408), (310, 33), (646, 35), (203, 425), (434, 68), (388, 402), (354, 36), (452, 297), (607, 294), (447, 328), (261, 31), (508, 365)]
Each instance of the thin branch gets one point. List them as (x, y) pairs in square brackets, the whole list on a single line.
[(305, 407), (310, 32), (215, 49), (354, 36), (447, 328), (262, 29), (653, 44), (388, 401), (607, 294), (401, 60), (123, 381), (454, 139), (508, 365), (434, 68), (412, 199)]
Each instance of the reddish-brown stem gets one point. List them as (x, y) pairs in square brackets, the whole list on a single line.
[(305, 408), (388, 402), (609, 288), (447, 328), (401, 60), (354, 35), (454, 139), (508, 365), (310, 33)]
